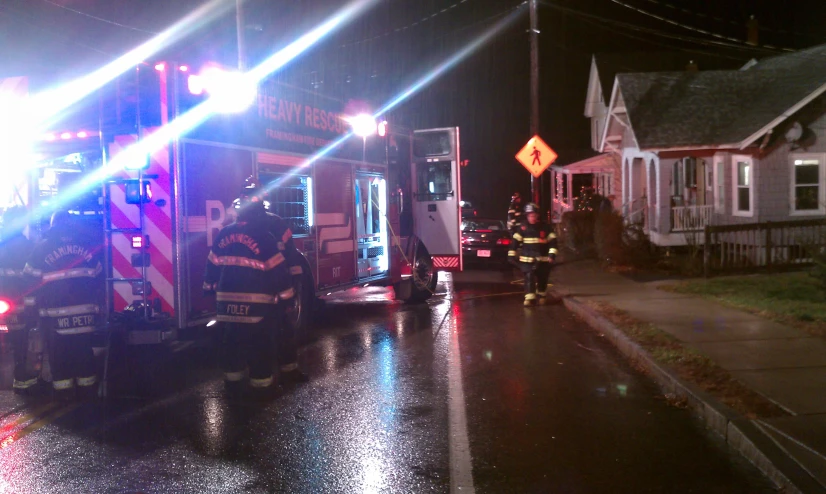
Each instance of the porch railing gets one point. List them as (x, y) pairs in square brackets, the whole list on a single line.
[(752, 246), (690, 218)]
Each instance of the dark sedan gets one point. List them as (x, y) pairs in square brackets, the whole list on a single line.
[(485, 240)]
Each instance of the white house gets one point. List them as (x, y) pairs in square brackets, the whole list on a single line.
[(721, 146)]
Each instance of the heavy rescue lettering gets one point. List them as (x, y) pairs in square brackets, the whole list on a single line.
[(238, 309), (285, 111), (240, 238), (68, 250)]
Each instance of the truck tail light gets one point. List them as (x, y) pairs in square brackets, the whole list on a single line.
[(503, 241), (5, 307)]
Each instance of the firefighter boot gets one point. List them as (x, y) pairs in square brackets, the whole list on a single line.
[(530, 298), (541, 299)]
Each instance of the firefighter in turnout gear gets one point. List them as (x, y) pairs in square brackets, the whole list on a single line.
[(286, 338), (537, 242), (251, 280), (15, 290), (515, 213), (68, 296)]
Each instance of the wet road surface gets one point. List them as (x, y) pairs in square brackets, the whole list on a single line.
[(470, 392)]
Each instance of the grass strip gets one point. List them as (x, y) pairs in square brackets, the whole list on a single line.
[(689, 365), (796, 299)]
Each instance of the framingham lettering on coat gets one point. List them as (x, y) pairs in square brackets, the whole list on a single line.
[(240, 238), (68, 250)]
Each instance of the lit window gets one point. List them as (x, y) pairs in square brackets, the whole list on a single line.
[(743, 186), (807, 193)]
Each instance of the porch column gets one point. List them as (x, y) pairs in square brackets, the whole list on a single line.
[(664, 196), (625, 187)]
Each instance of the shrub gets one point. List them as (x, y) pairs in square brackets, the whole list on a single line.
[(609, 243), (577, 231)]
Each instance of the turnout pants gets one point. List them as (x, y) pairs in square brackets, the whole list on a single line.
[(536, 279), (71, 359), (24, 375), (250, 346)]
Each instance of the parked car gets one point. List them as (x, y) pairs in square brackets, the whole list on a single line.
[(485, 239)]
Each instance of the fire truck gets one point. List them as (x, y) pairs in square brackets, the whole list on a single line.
[(376, 210)]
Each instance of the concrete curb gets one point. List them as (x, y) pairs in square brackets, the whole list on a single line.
[(741, 434)]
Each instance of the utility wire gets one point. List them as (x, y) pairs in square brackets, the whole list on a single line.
[(17, 16), (687, 39), (403, 28), (685, 26), (733, 22), (101, 19)]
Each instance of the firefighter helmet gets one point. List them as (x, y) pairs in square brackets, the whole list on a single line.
[(531, 208), (516, 197)]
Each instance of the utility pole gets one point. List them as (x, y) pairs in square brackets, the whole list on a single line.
[(239, 28), (534, 31)]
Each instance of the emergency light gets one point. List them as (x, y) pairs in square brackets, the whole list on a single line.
[(383, 128), (5, 307)]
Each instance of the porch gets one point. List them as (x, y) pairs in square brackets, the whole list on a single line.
[(569, 183), (670, 199)]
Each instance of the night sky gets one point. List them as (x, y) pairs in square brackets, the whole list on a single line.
[(374, 57)]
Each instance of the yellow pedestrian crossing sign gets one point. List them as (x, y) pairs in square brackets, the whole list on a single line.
[(536, 156)]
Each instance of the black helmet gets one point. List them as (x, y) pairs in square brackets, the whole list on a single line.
[(516, 197), (250, 200), (531, 208)]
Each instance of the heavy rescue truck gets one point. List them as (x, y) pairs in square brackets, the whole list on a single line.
[(378, 210)]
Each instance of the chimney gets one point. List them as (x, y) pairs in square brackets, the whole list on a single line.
[(752, 26), (692, 67)]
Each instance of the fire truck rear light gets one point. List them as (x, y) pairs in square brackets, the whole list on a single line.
[(82, 134), (66, 135), (195, 84), (137, 241), (4, 328), (49, 137), (159, 67), (183, 68), (5, 307)]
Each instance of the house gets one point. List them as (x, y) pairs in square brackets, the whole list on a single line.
[(720, 147), (602, 169)]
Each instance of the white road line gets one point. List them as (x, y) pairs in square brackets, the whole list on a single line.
[(461, 465)]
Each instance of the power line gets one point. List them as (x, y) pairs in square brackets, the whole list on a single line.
[(686, 39), (403, 28), (684, 26), (733, 22), (12, 14), (101, 19)]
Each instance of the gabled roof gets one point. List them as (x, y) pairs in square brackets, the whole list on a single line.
[(815, 55), (611, 64), (719, 108)]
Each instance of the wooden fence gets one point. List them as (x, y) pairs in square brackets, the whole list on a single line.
[(752, 246)]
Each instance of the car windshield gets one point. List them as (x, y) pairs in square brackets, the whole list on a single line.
[(479, 225)]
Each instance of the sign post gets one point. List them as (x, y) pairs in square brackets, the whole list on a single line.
[(536, 156)]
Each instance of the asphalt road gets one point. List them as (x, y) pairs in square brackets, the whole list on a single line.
[(468, 393)]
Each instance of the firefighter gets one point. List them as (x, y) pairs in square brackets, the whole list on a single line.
[(538, 250), (15, 289), (249, 274), (286, 338), (67, 297), (515, 212)]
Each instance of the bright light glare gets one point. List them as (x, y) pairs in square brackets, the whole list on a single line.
[(363, 125), (453, 60), (4, 307), (230, 92), (50, 103), (310, 211), (212, 323)]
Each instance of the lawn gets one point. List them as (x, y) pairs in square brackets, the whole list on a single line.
[(795, 298)]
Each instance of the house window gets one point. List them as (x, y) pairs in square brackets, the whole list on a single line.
[(719, 186), (743, 196), (807, 177), (690, 165)]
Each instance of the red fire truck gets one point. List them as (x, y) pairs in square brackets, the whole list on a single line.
[(378, 210)]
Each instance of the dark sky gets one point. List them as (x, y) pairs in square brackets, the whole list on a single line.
[(375, 56)]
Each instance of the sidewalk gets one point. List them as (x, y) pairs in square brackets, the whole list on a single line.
[(781, 363)]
